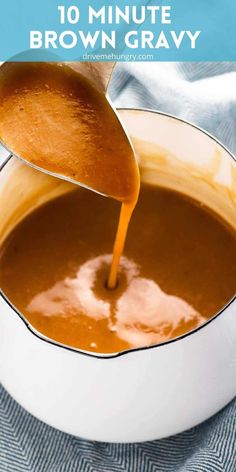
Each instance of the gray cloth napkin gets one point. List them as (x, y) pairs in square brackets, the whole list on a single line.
[(28, 445), (201, 92), (204, 93)]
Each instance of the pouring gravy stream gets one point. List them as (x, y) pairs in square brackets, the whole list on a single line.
[(55, 119)]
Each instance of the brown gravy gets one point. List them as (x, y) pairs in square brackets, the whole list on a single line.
[(178, 269), (54, 118)]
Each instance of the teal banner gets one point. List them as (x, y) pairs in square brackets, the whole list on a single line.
[(131, 30)]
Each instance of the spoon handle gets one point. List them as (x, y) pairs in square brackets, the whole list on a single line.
[(99, 73)]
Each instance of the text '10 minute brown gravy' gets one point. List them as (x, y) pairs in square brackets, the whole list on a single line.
[(179, 265)]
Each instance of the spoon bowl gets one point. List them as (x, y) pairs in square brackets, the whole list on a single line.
[(52, 114)]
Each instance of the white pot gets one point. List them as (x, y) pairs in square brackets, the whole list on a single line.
[(146, 393)]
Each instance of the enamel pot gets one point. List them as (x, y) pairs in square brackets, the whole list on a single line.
[(145, 393)]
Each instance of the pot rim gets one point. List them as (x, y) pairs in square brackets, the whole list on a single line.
[(138, 349)]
